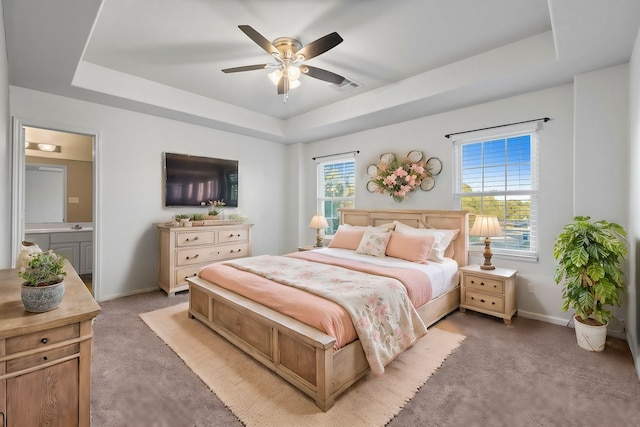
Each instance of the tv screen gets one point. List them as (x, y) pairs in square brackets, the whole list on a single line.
[(194, 180)]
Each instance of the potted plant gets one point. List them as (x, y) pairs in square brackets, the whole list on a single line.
[(197, 219), (43, 286), (184, 219), (590, 256)]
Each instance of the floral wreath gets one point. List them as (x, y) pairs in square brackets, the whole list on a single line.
[(399, 177)]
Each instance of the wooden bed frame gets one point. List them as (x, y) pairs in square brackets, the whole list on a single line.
[(299, 353)]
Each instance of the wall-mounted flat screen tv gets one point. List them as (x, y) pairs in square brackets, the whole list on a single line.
[(194, 180)]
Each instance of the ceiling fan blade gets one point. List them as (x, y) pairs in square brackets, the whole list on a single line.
[(320, 74), (259, 39), (320, 46), (283, 85), (245, 68)]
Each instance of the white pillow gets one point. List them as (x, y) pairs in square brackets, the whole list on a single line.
[(442, 238), (374, 243)]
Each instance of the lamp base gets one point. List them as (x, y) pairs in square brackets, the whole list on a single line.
[(487, 256), (319, 240)]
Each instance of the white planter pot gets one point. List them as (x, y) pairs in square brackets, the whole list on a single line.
[(592, 338)]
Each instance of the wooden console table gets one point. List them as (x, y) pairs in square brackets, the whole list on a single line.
[(45, 358)]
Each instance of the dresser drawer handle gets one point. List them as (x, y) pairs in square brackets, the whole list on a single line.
[(195, 238), (44, 340), (238, 251), (45, 358), (193, 275), (481, 300), (194, 257)]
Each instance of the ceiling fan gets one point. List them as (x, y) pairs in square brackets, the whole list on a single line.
[(290, 55)]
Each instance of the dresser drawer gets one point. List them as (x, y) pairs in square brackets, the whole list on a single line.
[(183, 273), (196, 256), (25, 362), (484, 301), (232, 251), (193, 238), (489, 285), (42, 338), (226, 236)]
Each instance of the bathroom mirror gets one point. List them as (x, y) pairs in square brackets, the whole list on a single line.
[(58, 177)]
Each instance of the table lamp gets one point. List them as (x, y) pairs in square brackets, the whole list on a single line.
[(486, 226), (319, 223)]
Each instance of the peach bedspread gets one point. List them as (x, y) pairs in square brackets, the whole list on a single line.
[(313, 310)]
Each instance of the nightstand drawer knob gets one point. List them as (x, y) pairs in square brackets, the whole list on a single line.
[(44, 340)]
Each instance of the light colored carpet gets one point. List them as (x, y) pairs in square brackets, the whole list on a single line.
[(259, 397)]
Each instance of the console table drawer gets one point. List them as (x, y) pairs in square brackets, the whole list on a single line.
[(42, 338), (25, 362)]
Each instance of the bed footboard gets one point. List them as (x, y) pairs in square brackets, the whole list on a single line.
[(300, 354)]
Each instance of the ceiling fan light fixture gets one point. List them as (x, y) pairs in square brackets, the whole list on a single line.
[(276, 75), (293, 72)]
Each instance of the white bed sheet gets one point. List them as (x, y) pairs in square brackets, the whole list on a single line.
[(444, 275)]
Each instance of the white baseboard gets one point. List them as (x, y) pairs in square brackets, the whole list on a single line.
[(127, 294), (567, 322)]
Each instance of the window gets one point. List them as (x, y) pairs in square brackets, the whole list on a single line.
[(497, 175), (336, 189)]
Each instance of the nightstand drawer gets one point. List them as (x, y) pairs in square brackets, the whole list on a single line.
[(489, 285), (484, 301)]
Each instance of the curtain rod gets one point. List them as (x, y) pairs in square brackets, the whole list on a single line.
[(336, 154), (545, 119)]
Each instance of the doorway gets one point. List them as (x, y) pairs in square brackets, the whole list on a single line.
[(72, 232)]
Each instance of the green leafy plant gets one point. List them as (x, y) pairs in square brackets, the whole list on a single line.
[(178, 217), (589, 256), (197, 217), (43, 269), (214, 212)]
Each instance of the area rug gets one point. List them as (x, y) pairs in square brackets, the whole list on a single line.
[(258, 397)]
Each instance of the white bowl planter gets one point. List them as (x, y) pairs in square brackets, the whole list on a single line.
[(592, 338)]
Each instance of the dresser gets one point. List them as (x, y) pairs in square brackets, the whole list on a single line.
[(490, 292), (185, 250), (45, 358)]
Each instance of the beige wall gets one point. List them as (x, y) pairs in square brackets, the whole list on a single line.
[(79, 185)]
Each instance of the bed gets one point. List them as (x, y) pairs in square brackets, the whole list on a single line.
[(303, 355)]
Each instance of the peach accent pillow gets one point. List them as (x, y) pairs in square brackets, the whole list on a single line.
[(443, 238), (347, 238), (374, 243), (409, 247)]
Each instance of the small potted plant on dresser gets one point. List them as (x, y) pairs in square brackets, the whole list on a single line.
[(197, 219), (183, 219), (43, 286), (590, 256)]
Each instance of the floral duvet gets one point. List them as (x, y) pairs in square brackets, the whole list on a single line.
[(384, 318)]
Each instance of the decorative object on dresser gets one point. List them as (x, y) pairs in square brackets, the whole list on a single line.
[(490, 292), (486, 226), (26, 250), (45, 358), (590, 256), (319, 223), (184, 252), (43, 286)]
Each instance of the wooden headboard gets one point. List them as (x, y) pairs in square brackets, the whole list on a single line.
[(443, 219)]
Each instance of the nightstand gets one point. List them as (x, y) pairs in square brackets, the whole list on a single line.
[(490, 292), (307, 248)]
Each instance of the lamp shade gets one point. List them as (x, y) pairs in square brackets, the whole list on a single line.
[(318, 222), (486, 226)]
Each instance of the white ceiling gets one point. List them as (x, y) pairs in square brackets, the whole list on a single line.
[(412, 57)]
